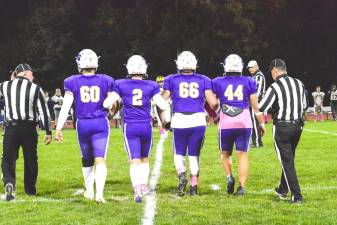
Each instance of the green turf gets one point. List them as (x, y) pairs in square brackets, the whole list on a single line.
[(60, 176)]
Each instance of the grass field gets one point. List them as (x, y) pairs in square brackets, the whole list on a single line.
[(60, 176)]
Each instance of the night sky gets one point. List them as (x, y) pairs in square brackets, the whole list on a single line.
[(49, 33)]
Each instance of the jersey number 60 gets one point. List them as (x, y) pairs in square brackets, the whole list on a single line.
[(89, 94)]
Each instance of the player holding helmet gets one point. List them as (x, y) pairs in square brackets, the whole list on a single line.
[(136, 95), (236, 93), (333, 101), (318, 97), (89, 90), (188, 91)]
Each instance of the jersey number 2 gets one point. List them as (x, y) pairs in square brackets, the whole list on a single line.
[(89, 94), (238, 93), (137, 97)]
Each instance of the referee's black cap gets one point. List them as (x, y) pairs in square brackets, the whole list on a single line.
[(277, 63), (23, 67)]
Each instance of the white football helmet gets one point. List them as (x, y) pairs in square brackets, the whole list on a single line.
[(136, 65), (233, 63), (186, 61), (87, 59)]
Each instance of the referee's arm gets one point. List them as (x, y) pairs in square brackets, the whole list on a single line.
[(43, 111), (268, 100)]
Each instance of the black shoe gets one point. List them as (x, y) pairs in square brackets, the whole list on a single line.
[(230, 184), (240, 191), (9, 192), (194, 190), (182, 184), (297, 201), (281, 195)]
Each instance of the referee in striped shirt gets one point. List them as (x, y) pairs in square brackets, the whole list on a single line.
[(287, 101), (24, 103), (258, 76)]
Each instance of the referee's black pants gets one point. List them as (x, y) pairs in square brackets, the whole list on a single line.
[(286, 137), (256, 132), (21, 134), (333, 105)]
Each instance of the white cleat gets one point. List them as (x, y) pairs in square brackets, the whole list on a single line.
[(89, 195), (100, 200)]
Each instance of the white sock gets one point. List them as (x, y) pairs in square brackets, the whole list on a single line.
[(89, 178), (100, 177), (179, 162), (194, 165), (135, 174), (145, 169)]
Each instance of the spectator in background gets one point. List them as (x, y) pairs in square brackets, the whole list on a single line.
[(318, 103), (58, 101), (333, 101), (50, 105)]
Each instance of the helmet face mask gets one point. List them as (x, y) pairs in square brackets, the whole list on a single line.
[(233, 63), (186, 61), (137, 65), (87, 59)]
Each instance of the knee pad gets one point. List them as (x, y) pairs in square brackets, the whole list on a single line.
[(88, 162)]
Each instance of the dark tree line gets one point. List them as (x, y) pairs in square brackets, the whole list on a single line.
[(49, 33)]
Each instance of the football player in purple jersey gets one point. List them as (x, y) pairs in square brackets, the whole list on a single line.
[(89, 90), (136, 95), (188, 91), (236, 93)]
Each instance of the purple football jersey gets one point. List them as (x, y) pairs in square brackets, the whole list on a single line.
[(234, 90), (136, 96), (89, 94), (187, 91)]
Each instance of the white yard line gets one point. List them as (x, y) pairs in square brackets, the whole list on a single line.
[(265, 191), (150, 200), (320, 131)]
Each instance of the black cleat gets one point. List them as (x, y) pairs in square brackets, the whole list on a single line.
[(194, 190), (182, 184), (230, 184), (281, 195), (240, 191), (9, 192)]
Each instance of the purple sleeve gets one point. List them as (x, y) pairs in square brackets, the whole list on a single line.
[(213, 83), (252, 86), (167, 83), (111, 85), (208, 84), (116, 88), (68, 85), (156, 89)]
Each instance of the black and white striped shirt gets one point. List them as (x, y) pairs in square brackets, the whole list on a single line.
[(260, 84), (286, 98), (25, 101)]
